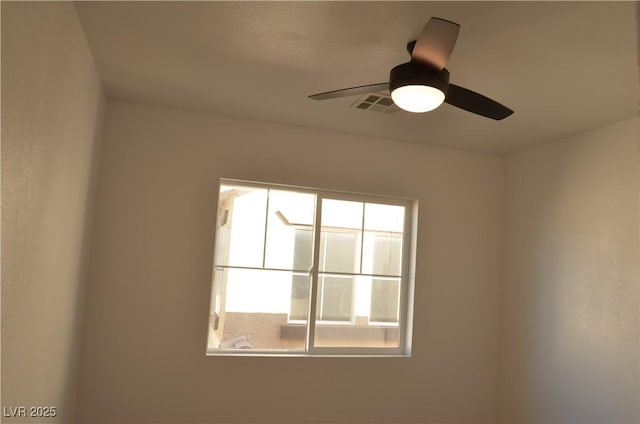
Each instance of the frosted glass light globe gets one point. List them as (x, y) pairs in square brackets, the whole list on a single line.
[(417, 98)]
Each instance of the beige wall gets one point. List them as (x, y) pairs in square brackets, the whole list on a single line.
[(52, 107), (147, 314), (571, 298), (566, 315)]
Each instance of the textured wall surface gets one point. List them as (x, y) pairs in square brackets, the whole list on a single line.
[(148, 304), (568, 325), (571, 297), (52, 107)]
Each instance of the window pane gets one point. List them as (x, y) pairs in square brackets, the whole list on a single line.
[(303, 251), (358, 331), (382, 253), (339, 251), (335, 298), (300, 283), (250, 310), (385, 300), (299, 310), (289, 230), (342, 214), (382, 250), (340, 235), (241, 226), (386, 218)]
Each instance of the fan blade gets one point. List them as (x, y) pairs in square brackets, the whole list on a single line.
[(476, 103), (436, 42), (352, 91)]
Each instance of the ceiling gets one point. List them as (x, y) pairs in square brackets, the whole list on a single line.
[(563, 67)]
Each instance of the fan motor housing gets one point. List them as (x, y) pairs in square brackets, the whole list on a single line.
[(411, 74)]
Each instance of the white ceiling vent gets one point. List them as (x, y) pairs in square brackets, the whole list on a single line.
[(376, 102)]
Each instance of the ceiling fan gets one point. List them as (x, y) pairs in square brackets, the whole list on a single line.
[(423, 84)]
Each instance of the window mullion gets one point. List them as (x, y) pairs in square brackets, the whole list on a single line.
[(311, 322), (266, 226), (364, 205)]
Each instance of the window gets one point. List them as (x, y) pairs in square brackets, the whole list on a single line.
[(300, 271)]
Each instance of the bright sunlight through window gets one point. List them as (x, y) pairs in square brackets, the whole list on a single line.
[(310, 272)]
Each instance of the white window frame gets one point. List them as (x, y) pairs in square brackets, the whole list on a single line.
[(407, 277)]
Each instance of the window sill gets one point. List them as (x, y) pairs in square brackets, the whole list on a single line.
[(341, 332)]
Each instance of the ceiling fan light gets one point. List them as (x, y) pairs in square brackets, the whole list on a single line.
[(417, 98)]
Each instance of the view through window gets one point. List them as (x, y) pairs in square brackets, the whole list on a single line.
[(309, 271)]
